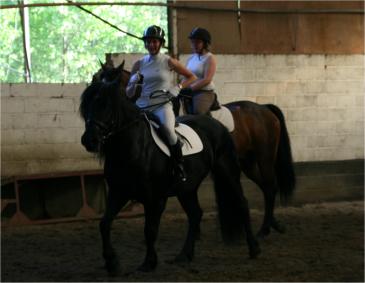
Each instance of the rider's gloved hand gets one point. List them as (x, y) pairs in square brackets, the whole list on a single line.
[(174, 91), (187, 91), (135, 78)]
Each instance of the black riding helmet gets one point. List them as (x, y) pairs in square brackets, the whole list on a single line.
[(154, 32), (200, 33)]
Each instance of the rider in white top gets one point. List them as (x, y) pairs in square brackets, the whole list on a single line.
[(203, 64), (199, 64), (156, 76), (156, 71)]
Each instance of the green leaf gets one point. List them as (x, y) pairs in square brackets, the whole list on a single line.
[(66, 42)]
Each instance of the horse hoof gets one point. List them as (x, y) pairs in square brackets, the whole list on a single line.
[(278, 227), (183, 258), (112, 266), (262, 234), (113, 273), (147, 267), (254, 252)]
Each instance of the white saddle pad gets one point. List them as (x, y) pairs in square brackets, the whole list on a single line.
[(191, 142), (224, 116)]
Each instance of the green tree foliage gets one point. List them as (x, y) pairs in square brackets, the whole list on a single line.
[(11, 47), (66, 42)]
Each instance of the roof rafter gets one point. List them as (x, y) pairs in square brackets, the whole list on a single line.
[(197, 8)]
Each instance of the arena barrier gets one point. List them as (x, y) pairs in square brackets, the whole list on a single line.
[(25, 200)]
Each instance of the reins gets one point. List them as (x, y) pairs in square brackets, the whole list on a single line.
[(112, 132), (153, 95), (153, 105), (105, 137)]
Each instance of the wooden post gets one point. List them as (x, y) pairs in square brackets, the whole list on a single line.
[(24, 15)]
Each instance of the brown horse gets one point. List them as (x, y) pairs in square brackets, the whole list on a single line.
[(262, 144)]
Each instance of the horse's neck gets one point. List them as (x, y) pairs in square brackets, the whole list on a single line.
[(131, 146), (132, 139), (124, 108), (125, 78), (132, 151), (133, 124)]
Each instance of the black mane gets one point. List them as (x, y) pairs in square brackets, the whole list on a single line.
[(87, 96), (112, 99)]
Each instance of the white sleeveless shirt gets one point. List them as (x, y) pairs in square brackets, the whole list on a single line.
[(157, 75), (198, 64)]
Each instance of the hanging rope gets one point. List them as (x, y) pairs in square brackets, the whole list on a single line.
[(104, 21), (108, 23)]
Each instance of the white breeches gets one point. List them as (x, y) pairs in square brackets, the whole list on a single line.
[(166, 116)]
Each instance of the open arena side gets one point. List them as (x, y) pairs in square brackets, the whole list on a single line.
[(307, 58)]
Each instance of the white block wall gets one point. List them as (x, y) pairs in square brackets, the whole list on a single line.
[(41, 129), (322, 98)]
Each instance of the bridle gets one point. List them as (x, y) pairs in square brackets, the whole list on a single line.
[(110, 130)]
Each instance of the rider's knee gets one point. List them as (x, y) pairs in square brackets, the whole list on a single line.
[(169, 134)]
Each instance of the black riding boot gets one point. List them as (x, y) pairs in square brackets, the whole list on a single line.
[(177, 159)]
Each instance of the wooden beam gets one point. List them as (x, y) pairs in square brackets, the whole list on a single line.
[(196, 8), (26, 41)]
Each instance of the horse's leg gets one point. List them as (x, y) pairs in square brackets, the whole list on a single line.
[(254, 248), (190, 204), (153, 211), (278, 226), (232, 205), (264, 176), (269, 197), (269, 188), (114, 204)]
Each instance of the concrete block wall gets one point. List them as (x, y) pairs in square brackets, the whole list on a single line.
[(41, 129), (322, 97)]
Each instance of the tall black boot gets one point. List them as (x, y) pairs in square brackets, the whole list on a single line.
[(178, 161)]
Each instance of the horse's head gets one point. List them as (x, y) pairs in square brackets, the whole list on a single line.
[(107, 73), (101, 110)]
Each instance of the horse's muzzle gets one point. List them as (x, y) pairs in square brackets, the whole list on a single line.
[(91, 144)]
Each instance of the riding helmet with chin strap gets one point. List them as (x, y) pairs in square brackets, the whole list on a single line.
[(154, 32), (202, 34)]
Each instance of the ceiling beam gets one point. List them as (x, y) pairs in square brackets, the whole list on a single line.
[(196, 8)]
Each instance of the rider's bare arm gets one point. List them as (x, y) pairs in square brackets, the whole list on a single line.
[(180, 69)]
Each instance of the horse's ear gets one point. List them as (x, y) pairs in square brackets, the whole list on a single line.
[(102, 65), (120, 67), (119, 74)]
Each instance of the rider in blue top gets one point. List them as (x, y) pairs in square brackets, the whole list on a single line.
[(156, 71)]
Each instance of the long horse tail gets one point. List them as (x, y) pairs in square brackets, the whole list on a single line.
[(284, 162), (231, 204)]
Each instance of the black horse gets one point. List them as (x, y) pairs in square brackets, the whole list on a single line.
[(136, 169), (262, 144)]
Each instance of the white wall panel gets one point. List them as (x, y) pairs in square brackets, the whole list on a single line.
[(322, 97)]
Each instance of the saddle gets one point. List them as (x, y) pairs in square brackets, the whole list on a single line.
[(217, 111), (189, 139), (224, 116)]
